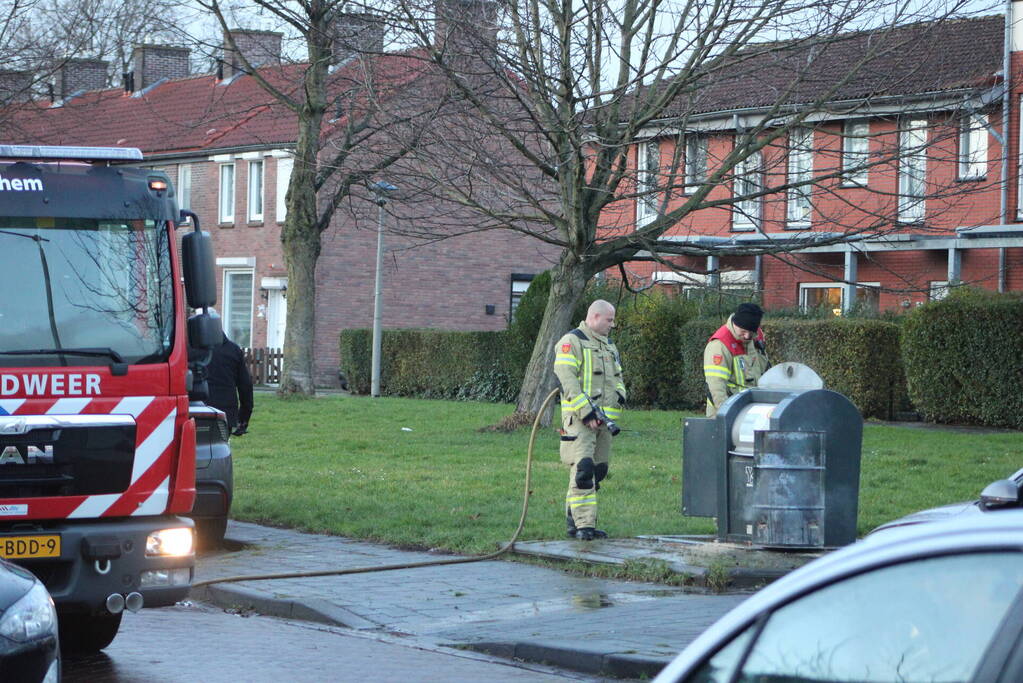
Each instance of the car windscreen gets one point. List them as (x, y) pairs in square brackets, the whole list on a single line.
[(84, 292)]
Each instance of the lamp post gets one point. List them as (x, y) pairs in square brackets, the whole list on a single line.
[(381, 190)]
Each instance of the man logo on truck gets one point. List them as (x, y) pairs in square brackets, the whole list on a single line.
[(21, 184), (27, 455)]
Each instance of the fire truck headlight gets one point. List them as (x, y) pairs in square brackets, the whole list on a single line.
[(31, 617), (170, 543)]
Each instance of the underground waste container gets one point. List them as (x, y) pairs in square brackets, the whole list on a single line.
[(779, 465)]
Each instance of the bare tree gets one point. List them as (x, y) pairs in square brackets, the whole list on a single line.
[(575, 87), (356, 113)]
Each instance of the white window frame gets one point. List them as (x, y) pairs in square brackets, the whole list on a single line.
[(226, 195), (800, 203), (1019, 165), (804, 287), (697, 155), (184, 186), (255, 191), (913, 171), (228, 312), (855, 152), (285, 167), (648, 167), (747, 214), (973, 147)]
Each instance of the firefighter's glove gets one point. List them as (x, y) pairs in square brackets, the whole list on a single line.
[(242, 428)]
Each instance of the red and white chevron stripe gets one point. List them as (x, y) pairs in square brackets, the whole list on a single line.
[(149, 491)]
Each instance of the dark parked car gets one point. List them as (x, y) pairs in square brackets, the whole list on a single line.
[(214, 475), (1004, 494), (927, 602), (29, 648)]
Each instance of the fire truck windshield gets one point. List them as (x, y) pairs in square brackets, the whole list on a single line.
[(84, 292)]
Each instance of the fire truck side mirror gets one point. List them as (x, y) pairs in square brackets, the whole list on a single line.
[(205, 330), (197, 264)]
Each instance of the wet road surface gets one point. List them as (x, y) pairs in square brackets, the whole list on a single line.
[(195, 642)]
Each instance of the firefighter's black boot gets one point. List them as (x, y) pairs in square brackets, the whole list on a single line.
[(571, 531), (589, 533)]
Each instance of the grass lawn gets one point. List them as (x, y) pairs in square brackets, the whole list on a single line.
[(418, 473)]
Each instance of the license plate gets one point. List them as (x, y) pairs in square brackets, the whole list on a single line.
[(22, 547)]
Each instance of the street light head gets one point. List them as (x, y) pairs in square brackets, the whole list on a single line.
[(382, 189)]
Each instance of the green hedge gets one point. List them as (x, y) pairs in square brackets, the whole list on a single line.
[(962, 358), (857, 358), (647, 335), (430, 364)]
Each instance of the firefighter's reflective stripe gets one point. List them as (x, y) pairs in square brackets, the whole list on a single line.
[(588, 372), (580, 501), (716, 371), (613, 413), (738, 378), (566, 359), (575, 404)]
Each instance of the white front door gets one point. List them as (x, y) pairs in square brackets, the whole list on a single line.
[(276, 318)]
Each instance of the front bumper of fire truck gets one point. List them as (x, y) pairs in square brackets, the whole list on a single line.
[(106, 566)]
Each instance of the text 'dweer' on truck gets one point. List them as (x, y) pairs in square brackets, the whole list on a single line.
[(97, 449)]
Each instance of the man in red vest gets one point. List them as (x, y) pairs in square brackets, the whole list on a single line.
[(735, 356)]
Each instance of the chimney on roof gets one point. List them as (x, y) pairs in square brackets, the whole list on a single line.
[(356, 33), (76, 75), (15, 86), (261, 48), (465, 25), (151, 63)]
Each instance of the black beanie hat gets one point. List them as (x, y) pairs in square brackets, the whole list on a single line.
[(747, 316)]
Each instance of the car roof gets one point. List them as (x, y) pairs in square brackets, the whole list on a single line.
[(978, 533)]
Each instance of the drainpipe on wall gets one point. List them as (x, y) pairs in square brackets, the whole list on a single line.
[(1006, 102)]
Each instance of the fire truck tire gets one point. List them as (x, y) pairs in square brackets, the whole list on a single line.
[(87, 633), (210, 532)]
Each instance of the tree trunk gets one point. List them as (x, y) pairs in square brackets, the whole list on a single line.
[(299, 357), (300, 238), (568, 280)]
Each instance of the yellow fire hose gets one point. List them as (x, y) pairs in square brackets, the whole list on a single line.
[(412, 565)]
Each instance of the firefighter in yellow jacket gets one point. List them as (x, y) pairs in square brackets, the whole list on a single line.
[(588, 365), (735, 356)]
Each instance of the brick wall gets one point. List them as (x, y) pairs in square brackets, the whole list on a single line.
[(259, 47)]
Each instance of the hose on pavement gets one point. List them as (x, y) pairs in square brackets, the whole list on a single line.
[(414, 565)]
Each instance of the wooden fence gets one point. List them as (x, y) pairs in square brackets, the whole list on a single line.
[(265, 365)]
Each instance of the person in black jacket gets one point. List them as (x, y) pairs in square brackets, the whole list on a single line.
[(230, 384)]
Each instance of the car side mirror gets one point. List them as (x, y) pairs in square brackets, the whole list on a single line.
[(205, 330), (1000, 494)]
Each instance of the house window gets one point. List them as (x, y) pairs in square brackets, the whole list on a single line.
[(237, 319), (284, 169), (855, 152), (912, 171), (746, 211), (519, 285), (185, 186), (227, 193), (800, 175), (973, 147), (255, 191), (648, 165), (938, 290), (696, 158), (831, 297)]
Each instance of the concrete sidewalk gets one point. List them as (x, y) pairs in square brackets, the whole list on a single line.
[(509, 609)]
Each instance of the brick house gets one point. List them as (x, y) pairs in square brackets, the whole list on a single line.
[(935, 202), (227, 146)]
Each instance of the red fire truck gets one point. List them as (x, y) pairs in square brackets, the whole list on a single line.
[(97, 450)]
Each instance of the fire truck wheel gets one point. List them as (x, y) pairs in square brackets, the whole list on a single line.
[(210, 532), (87, 633)]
